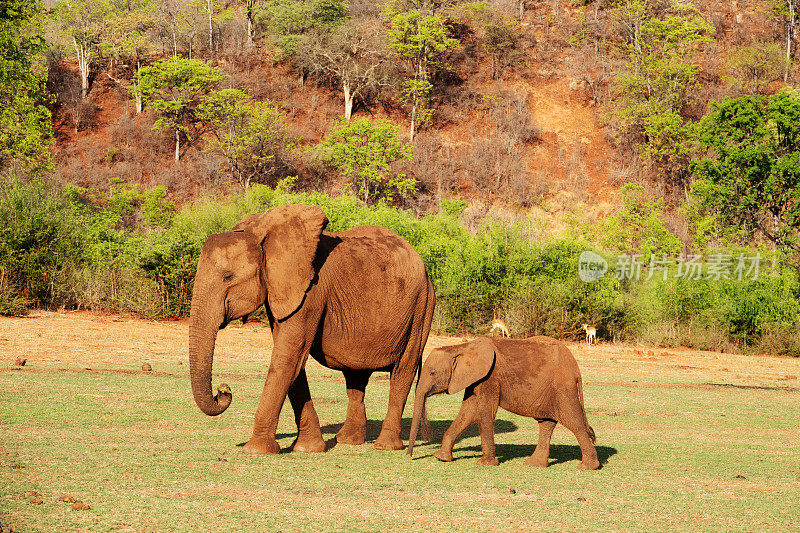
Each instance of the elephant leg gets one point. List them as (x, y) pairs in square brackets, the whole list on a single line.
[(309, 434), (541, 454), (487, 413), (575, 421), (283, 372), (399, 387), (466, 416), (400, 381), (354, 430)]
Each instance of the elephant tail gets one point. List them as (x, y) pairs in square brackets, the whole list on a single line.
[(583, 410)]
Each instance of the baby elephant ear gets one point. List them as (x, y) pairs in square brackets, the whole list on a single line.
[(472, 365), (289, 236)]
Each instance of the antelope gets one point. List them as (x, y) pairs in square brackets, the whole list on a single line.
[(591, 333), (499, 324)]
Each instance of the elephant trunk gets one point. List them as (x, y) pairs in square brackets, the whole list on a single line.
[(202, 337), (419, 415)]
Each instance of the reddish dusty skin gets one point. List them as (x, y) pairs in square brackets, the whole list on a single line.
[(536, 377), (358, 301)]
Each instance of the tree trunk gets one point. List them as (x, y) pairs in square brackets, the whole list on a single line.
[(177, 145), (348, 100), (788, 54), (413, 116), (83, 53), (137, 95), (210, 8), (251, 27), (414, 106), (174, 38)]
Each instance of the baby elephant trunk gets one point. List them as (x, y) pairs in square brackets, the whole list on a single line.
[(419, 418)]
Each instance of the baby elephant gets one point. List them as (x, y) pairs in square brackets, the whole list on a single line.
[(536, 377)]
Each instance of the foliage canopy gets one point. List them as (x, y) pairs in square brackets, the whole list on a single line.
[(25, 123), (751, 175), (364, 151)]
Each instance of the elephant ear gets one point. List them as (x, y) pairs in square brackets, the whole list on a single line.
[(289, 236), (472, 365)]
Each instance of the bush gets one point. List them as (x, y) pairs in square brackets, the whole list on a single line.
[(12, 303), (41, 242), (72, 247)]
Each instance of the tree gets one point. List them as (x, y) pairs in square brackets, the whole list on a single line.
[(208, 6), (25, 123), (177, 24), (595, 54), (638, 227), (128, 37), (252, 9), (631, 16), (420, 38), (353, 56), (751, 174), (290, 20), (83, 22), (656, 83), (751, 68), (657, 70), (502, 34), (364, 151), (248, 134), (175, 88), (213, 13), (787, 11)]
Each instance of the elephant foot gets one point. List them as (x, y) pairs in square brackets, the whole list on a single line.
[(309, 445), (589, 464), (261, 446), (350, 436), (540, 462), (385, 441), (490, 461), (443, 455)]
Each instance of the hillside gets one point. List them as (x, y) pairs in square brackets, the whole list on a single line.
[(574, 164), (659, 137)]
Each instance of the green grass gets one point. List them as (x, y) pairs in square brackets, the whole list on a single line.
[(138, 451)]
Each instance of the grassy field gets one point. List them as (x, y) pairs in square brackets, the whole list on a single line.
[(688, 440)]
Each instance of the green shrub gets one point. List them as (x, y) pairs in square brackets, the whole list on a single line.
[(170, 258), (70, 247), (12, 303), (41, 241)]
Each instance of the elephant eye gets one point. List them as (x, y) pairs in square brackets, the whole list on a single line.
[(227, 276)]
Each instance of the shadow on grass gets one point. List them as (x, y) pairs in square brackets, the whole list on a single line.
[(559, 453), (438, 426), (374, 429)]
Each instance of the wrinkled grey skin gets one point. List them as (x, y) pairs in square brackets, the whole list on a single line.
[(358, 301)]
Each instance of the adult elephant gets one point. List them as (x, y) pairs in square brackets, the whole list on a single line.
[(358, 301)]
